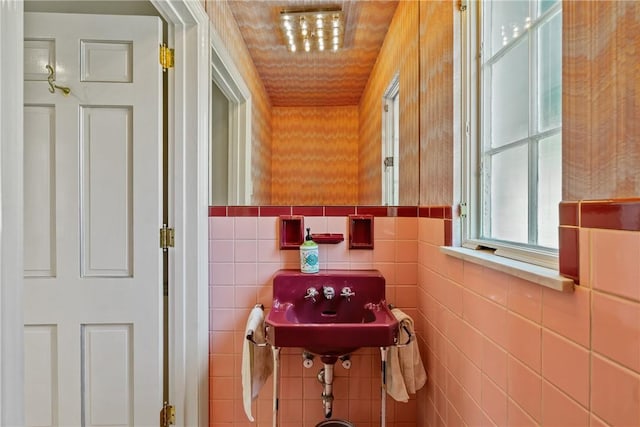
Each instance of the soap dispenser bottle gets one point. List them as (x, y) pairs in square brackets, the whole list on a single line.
[(309, 262)]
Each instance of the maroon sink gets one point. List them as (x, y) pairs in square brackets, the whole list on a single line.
[(330, 326)]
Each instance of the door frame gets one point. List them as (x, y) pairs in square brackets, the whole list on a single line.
[(229, 79), (188, 28), (11, 271)]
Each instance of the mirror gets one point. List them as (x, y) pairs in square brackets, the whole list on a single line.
[(326, 128)]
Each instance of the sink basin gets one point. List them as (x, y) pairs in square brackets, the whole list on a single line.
[(330, 327)]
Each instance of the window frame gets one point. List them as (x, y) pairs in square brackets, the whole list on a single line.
[(472, 174)]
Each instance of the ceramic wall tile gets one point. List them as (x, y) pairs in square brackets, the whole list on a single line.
[(614, 262), (559, 410), (494, 402), (566, 365), (568, 313), (525, 388), (616, 329), (525, 298), (608, 380)]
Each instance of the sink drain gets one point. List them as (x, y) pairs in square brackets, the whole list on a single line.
[(335, 423)]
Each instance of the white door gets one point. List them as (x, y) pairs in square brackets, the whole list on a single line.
[(92, 211)]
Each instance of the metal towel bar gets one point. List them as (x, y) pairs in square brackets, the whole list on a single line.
[(250, 332), (406, 329)]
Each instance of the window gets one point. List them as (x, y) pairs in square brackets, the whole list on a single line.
[(514, 82)]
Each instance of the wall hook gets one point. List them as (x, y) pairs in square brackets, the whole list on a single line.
[(52, 86)]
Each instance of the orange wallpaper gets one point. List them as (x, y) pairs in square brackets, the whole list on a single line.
[(314, 155), (226, 27), (600, 97), (601, 100), (399, 53), (314, 78), (436, 102)]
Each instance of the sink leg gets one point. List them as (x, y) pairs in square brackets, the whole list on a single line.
[(383, 389), (276, 383)]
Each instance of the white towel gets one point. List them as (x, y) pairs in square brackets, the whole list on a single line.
[(257, 362), (405, 372)]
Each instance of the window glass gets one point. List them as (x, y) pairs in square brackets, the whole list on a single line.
[(508, 182), (508, 97), (546, 5), (549, 189), (550, 75), (504, 22)]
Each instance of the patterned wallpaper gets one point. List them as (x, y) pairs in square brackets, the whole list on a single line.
[(600, 97), (601, 100), (314, 155), (399, 54), (436, 102), (314, 78), (225, 25)]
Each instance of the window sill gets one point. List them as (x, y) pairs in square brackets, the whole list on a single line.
[(540, 275)]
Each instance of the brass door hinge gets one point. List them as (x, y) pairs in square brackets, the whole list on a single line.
[(167, 237), (167, 415), (166, 57)]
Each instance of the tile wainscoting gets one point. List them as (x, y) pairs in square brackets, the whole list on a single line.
[(502, 351), (498, 350), (244, 254)]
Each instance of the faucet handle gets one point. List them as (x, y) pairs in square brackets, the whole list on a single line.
[(347, 293), (311, 294)]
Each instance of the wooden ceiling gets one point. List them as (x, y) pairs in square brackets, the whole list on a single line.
[(314, 78)]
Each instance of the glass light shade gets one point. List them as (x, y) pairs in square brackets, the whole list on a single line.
[(304, 29)]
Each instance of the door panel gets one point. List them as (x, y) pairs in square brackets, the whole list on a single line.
[(40, 377), (93, 284), (106, 61), (107, 372), (39, 191), (107, 188)]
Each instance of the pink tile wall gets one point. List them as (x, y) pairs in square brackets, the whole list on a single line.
[(502, 351), (243, 255), (498, 350)]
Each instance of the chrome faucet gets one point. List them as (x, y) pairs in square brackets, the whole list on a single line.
[(347, 293), (311, 294), (329, 292)]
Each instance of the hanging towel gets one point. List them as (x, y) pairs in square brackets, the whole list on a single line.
[(257, 362), (405, 372)]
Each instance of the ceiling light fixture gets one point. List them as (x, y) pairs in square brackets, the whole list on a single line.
[(312, 29)]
